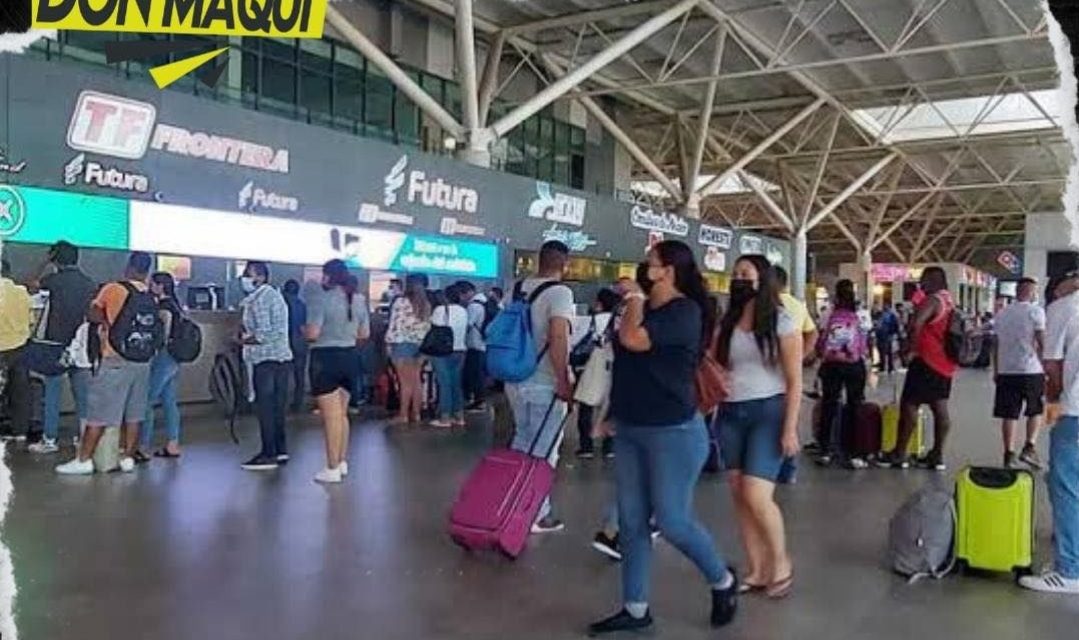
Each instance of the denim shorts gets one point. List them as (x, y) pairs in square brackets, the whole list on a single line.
[(749, 436), (404, 351)]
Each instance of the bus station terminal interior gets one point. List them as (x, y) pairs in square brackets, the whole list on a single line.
[(843, 140)]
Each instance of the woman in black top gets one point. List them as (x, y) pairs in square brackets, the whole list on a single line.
[(164, 376), (661, 442)]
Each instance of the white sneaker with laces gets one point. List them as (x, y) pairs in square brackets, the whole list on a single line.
[(47, 445), (343, 468), (1050, 582), (127, 464), (329, 476), (76, 467)]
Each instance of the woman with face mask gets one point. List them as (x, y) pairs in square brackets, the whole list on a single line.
[(164, 374), (661, 442), (760, 344), (337, 321)]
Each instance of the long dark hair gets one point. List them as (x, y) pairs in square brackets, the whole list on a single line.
[(416, 293), (766, 306), (689, 281), (166, 282), (337, 275), (844, 295)]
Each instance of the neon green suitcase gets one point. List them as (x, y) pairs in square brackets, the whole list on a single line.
[(995, 508), (890, 431)]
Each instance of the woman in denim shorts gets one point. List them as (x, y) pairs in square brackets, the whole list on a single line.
[(410, 320), (759, 343)]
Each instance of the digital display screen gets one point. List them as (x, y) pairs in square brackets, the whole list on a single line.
[(45, 216)]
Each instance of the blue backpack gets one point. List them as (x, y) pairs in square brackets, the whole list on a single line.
[(511, 348)]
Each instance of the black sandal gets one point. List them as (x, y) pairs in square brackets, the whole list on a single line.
[(165, 453), (139, 457)]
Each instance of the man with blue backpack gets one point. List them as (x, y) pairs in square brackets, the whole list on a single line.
[(528, 347)]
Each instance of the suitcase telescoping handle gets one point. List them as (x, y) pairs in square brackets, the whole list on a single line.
[(543, 427)]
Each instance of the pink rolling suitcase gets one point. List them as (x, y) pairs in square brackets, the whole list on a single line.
[(502, 497)]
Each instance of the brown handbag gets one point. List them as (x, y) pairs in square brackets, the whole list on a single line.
[(711, 384), (711, 380)]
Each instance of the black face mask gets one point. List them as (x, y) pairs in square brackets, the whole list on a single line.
[(742, 291)]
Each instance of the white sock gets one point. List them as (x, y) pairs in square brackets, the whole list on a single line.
[(637, 609), (725, 583)]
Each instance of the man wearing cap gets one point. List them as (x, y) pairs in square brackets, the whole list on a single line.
[(1061, 358)]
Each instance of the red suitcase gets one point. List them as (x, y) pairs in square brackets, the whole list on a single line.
[(502, 497), (864, 438)]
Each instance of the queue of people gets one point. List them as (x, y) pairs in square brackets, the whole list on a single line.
[(655, 331)]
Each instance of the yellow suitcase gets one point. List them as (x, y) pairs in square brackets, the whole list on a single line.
[(995, 508), (890, 431)]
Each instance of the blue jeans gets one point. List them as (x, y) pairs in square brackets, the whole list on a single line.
[(656, 473), (78, 378), (538, 421), (164, 376), (1064, 494), (451, 395)]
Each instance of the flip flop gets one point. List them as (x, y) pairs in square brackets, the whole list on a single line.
[(140, 458), (781, 588), (165, 453), (747, 587)]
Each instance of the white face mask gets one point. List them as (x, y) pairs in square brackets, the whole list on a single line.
[(247, 283)]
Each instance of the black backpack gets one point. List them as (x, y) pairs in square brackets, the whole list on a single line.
[(185, 337), (962, 339), (137, 333)]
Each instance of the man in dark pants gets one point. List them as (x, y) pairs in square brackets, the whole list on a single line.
[(266, 349), (474, 371), (14, 332), (297, 318)]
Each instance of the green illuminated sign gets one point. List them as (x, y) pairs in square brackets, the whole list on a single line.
[(44, 216)]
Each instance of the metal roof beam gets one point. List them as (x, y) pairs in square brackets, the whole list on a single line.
[(578, 75), (585, 17)]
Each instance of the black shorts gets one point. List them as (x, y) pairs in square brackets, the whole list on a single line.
[(333, 368), (1015, 391), (924, 385)]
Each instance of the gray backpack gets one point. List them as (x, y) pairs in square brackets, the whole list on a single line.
[(921, 538)]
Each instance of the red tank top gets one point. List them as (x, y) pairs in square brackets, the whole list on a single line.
[(929, 343)]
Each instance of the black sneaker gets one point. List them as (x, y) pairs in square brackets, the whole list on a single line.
[(282, 459), (607, 545), (811, 447), (932, 461), (585, 453), (823, 460), (608, 449), (621, 621), (1030, 457), (260, 463), (1009, 460), (725, 603), (892, 460)]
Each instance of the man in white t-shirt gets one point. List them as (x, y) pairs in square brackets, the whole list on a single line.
[(1018, 371), (1062, 368), (474, 378), (540, 403)]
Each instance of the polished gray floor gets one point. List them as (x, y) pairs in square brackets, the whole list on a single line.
[(200, 549)]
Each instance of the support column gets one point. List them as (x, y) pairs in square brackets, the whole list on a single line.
[(865, 278), (799, 268), (692, 207)]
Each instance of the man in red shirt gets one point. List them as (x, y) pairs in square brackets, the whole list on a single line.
[(929, 377)]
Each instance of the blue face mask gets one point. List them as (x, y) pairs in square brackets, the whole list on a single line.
[(247, 283)]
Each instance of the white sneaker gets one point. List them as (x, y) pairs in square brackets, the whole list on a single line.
[(76, 467), (47, 445), (329, 476), (1050, 582), (343, 468), (127, 464)]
